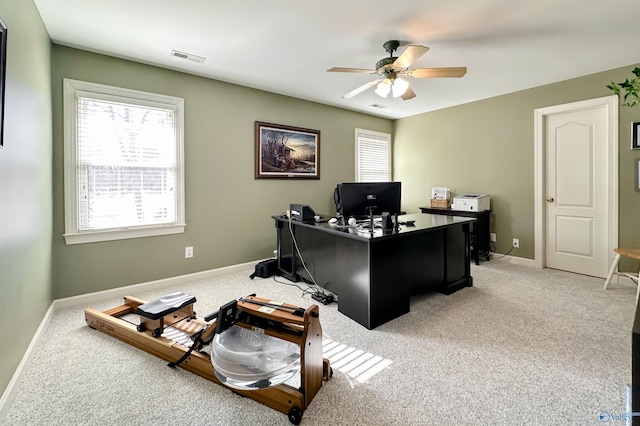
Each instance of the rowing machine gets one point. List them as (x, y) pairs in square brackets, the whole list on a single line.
[(283, 321)]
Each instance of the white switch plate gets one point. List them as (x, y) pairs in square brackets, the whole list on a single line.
[(188, 252)]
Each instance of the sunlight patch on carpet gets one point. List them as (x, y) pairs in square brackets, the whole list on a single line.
[(355, 363)]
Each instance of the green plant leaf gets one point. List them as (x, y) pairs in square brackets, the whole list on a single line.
[(628, 88)]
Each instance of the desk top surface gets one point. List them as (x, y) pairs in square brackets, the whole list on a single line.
[(422, 223)]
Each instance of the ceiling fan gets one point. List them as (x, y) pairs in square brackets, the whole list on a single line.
[(392, 68)]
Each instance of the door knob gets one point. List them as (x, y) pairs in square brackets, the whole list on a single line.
[(549, 199)]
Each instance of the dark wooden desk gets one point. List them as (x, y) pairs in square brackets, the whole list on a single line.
[(480, 235), (374, 275)]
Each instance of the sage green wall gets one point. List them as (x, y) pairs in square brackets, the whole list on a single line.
[(487, 147), (25, 184), (228, 212)]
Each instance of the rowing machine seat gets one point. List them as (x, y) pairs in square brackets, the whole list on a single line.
[(165, 305)]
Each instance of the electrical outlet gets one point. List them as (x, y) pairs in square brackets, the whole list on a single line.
[(516, 243), (188, 252), (492, 237)]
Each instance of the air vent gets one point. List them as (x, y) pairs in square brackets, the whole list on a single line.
[(188, 56), (380, 106)]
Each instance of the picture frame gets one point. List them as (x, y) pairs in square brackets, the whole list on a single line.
[(636, 184), (286, 152), (635, 135), (3, 77)]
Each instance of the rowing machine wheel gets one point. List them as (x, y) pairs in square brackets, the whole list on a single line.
[(295, 415), (156, 332), (140, 328)]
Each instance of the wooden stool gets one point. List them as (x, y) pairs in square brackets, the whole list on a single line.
[(630, 253)]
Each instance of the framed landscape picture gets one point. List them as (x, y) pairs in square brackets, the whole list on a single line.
[(286, 152)]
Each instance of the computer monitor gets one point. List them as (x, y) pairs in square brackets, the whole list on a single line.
[(360, 199)]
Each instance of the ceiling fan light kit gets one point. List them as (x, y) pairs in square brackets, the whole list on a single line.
[(397, 87), (389, 69), (384, 87)]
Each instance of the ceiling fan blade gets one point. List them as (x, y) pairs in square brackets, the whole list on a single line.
[(437, 72), (408, 94), (360, 89), (358, 70), (410, 55)]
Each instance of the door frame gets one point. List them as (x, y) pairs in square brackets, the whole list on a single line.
[(539, 161)]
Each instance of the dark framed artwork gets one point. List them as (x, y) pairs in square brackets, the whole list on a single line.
[(636, 181), (3, 72), (635, 132), (286, 152)]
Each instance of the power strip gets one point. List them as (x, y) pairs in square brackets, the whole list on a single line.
[(325, 299)]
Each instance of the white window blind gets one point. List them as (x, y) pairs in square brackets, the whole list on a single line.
[(123, 161), (373, 156)]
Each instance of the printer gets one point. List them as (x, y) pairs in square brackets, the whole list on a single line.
[(471, 202)]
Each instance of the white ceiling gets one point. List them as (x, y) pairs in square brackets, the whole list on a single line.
[(286, 46)]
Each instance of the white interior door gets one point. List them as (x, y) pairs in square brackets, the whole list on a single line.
[(577, 188)]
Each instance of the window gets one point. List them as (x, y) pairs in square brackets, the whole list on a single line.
[(124, 174), (373, 156)]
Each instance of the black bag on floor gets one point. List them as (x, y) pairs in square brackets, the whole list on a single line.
[(265, 269)]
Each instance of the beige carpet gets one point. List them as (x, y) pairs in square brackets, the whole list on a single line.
[(522, 347)]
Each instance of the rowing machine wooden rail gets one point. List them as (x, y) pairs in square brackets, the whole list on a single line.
[(291, 323)]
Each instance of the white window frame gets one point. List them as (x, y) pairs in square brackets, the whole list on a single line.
[(370, 134), (71, 90)]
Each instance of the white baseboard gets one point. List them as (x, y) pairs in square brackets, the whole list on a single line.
[(514, 260), (99, 296), (9, 393)]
